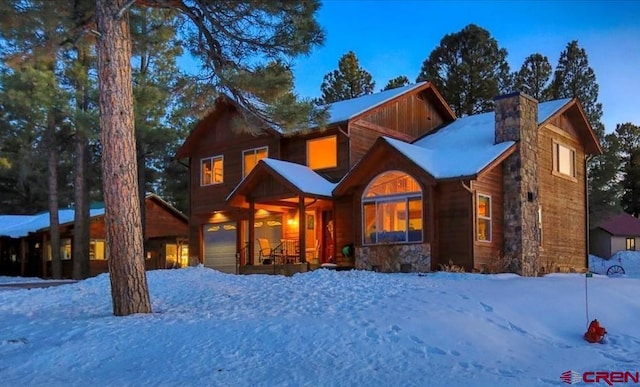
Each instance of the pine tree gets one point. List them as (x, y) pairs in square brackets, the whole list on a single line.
[(469, 69), (574, 78), (348, 81), (628, 136), (533, 77), (278, 30), (604, 181), (398, 81), (631, 184)]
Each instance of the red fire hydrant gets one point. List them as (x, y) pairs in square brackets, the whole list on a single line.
[(595, 333)]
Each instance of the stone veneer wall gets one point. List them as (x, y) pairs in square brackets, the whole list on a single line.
[(394, 258), (516, 117)]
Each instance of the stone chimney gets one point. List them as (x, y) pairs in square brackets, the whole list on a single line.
[(516, 118)]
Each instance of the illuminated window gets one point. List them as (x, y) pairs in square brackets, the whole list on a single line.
[(392, 209), (251, 157), (631, 244), (322, 153), (211, 170), (96, 249), (564, 160), (484, 218)]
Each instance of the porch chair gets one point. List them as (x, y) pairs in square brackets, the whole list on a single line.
[(266, 254)]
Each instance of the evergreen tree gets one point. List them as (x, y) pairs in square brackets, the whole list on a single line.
[(219, 34), (574, 78), (604, 181), (628, 136), (348, 81), (533, 77), (469, 69), (398, 81), (631, 184)]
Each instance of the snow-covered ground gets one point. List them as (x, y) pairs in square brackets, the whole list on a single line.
[(322, 328), (628, 260)]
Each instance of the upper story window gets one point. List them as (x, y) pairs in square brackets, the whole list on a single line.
[(251, 157), (392, 209), (483, 215), (564, 160), (211, 170), (322, 152)]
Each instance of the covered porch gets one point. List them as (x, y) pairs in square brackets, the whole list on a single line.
[(289, 218)]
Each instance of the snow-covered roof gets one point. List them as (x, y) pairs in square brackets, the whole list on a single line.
[(302, 177), (465, 146), (17, 226), (549, 108), (344, 110)]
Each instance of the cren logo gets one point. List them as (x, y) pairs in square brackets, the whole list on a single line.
[(607, 377), (571, 377)]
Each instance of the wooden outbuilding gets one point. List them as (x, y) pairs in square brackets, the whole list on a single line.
[(25, 247)]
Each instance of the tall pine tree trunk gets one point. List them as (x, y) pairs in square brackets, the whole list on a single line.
[(129, 289), (81, 219), (54, 224), (142, 192)]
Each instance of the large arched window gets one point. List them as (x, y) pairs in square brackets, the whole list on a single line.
[(392, 209)]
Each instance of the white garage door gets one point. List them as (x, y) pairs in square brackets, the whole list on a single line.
[(220, 246)]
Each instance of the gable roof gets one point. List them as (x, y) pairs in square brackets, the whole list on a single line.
[(465, 147), (622, 225), (302, 177), (573, 109), (345, 110), (168, 207), (18, 226), (299, 178), (338, 112)]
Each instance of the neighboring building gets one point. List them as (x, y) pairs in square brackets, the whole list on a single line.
[(400, 179), (22, 238), (618, 233)]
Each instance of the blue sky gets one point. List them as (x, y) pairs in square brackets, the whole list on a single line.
[(392, 38)]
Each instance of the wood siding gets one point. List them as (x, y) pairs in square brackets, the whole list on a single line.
[(161, 222), (406, 118), (486, 253), (219, 139), (294, 149), (562, 201), (455, 225), (412, 114), (344, 224)]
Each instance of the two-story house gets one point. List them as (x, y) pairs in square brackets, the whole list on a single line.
[(397, 176)]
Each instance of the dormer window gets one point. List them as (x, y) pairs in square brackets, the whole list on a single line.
[(251, 157), (322, 153), (211, 170)]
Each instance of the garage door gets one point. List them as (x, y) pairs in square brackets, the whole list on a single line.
[(220, 246)]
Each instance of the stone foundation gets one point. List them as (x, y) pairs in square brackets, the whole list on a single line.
[(395, 258)]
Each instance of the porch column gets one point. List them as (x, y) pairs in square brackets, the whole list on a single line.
[(302, 228), (252, 233)]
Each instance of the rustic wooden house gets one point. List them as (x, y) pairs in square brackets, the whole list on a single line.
[(395, 183), (620, 232), (25, 247)]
